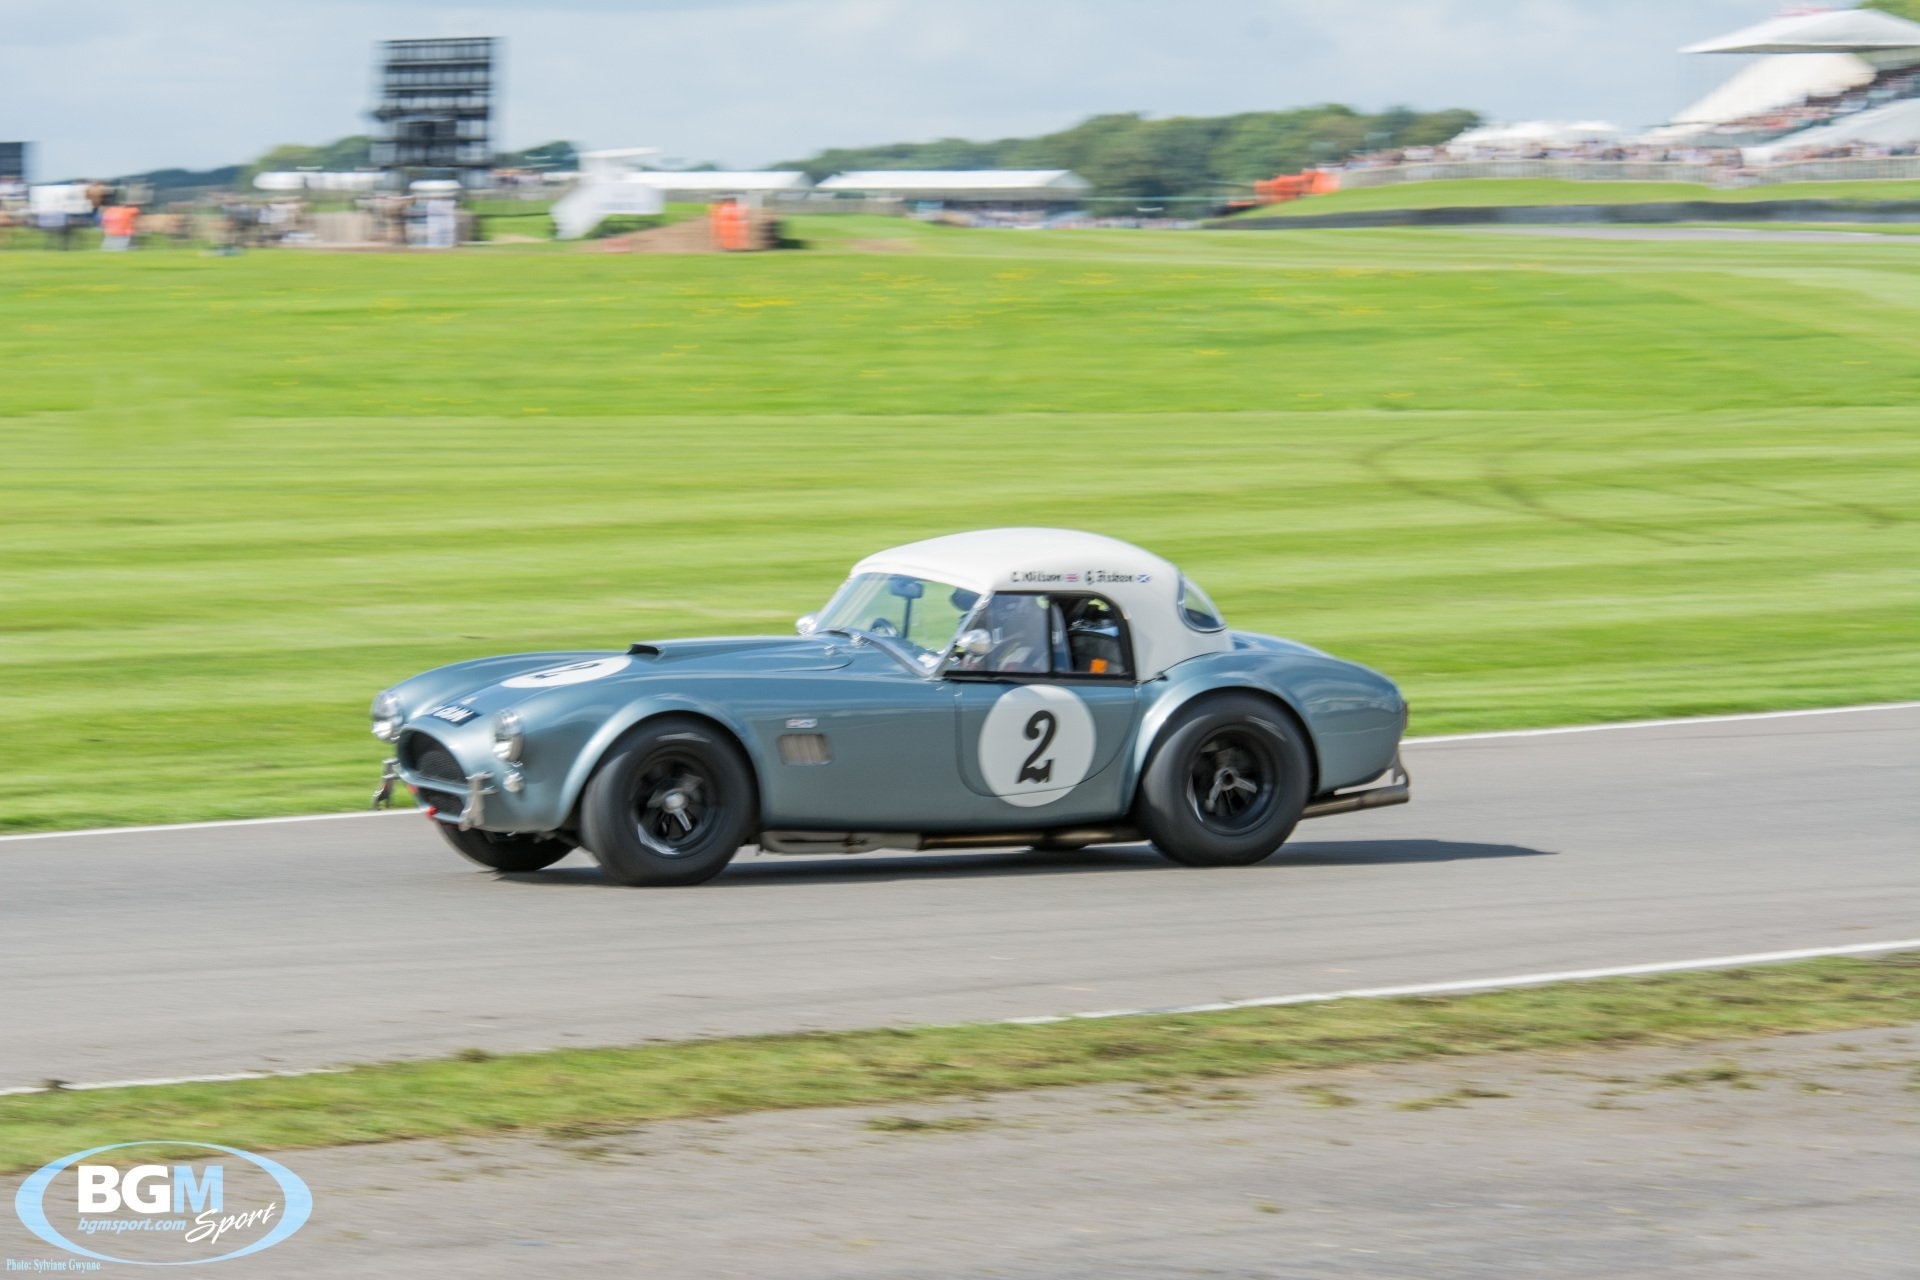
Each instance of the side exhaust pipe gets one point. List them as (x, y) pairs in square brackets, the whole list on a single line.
[(1397, 789)]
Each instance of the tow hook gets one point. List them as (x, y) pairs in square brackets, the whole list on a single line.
[(389, 774)]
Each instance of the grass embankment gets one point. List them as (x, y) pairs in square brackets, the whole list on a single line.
[(1536, 483), (1480, 193), (574, 1091)]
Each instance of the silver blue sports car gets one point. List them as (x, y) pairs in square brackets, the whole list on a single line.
[(1008, 687)]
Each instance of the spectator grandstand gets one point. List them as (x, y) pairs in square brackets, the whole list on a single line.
[(1832, 85)]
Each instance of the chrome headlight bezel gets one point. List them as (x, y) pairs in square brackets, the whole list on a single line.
[(386, 716), (509, 737)]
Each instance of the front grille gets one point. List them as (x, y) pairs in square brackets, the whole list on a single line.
[(432, 760)]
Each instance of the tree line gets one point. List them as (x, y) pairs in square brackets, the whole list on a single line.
[(1124, 156), (1129, 156)]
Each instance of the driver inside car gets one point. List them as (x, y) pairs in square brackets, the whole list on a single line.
[(1022, 628)]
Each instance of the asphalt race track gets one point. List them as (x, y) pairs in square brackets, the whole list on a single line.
[(291, 946)]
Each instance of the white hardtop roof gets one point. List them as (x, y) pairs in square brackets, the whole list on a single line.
[(1145, 587), (1832, 31), (982, 180), (990, 559)]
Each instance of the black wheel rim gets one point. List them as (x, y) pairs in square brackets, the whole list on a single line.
[(1233, 781), (676, 803)]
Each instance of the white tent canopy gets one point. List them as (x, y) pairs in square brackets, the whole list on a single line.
[(962, 184), (300, 180), (720, 182), (1780, 81), (1539, 133), (1832, 31)]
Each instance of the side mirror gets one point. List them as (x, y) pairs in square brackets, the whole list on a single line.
[(977, 643), (807, 623)]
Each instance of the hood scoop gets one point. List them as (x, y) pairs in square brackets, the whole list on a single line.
[(641, 649)]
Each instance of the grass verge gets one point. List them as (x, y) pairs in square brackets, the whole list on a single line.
[(573, 1092)]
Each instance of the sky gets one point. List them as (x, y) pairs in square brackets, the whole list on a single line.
[(118, 86)]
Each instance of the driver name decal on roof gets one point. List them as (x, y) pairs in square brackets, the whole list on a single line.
[(1036, 744), (1047, 577), (571, 673)]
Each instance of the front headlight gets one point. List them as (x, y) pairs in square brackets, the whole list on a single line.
[(509, 737), (386, 717)]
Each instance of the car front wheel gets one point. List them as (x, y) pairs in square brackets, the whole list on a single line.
[(670, 805), (1226, 784)]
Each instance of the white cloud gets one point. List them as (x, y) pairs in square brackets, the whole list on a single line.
[(118, 85)]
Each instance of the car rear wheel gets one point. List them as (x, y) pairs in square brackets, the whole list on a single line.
[(671, 805), (500, 851), (1226, 784)]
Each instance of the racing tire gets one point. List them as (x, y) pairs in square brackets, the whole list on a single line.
[(670, 805), (499, 851), (1226, 783)]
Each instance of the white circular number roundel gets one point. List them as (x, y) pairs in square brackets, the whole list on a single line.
[(572, 673), (1036, 744)]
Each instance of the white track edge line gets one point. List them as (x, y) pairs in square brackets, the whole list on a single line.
[(1489, 984), (1219, 1006), (205, 826), (1676, 722)]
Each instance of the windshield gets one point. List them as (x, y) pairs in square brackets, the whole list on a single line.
[(919, 614)]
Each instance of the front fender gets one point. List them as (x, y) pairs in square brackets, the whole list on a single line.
[(647, 708)]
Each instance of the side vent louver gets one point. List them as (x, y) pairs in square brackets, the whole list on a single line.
[(804, 748)]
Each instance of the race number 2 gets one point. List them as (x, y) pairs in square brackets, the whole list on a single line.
[(1042, 725), (1036, 744)]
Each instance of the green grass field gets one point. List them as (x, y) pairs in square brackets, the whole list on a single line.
[(1535, 482), (1484, 192)]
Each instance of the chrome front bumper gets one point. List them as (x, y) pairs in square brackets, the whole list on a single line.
[(473, 799)]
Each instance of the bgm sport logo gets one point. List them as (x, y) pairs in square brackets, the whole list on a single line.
[(141, 1203)]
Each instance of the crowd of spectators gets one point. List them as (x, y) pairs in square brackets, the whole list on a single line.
[(127, 217), (1886, 87), (1848, 151), (1538, 149), (1730, 161)]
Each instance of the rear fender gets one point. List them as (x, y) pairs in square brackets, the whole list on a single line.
[(1183, 689)]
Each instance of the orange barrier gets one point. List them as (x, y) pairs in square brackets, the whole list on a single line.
[(1295, 186), (118, 219), (732, 226)]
